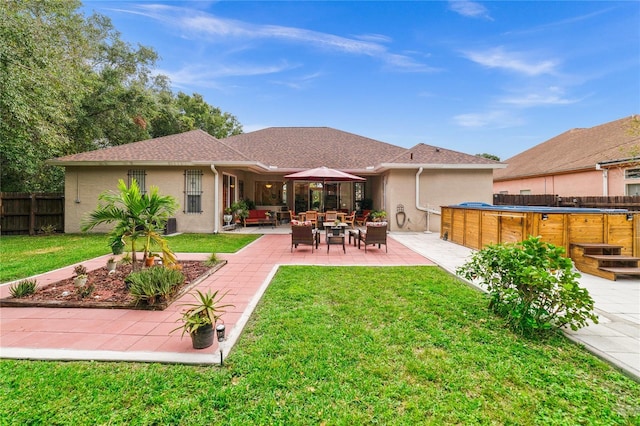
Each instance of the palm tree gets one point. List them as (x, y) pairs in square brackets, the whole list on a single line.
[(136, 216)]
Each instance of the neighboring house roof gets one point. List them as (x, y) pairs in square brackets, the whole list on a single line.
[(282, 149), (574, 150)]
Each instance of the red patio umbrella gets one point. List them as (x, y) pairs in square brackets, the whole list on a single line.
[(324, 174)]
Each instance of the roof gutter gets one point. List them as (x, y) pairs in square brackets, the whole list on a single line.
[(388, 166)]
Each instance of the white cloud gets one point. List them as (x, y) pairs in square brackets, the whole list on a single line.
[(496, 119), (536, 99), (512, 61), (205, 76), (299, 82), (469, 9), (217, 30)]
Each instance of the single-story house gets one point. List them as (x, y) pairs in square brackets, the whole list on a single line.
[(206, 175), (599, 161)]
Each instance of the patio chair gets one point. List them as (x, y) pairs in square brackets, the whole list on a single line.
[(351, 219), (294, 215), (304, 234), (362, 218), (330, 216), (376, 233), (312, 215)]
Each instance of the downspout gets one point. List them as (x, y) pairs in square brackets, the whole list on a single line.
[(605, 180), (216, 200), (427, 210)]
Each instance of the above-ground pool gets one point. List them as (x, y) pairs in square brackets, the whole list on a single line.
[(476, 225)]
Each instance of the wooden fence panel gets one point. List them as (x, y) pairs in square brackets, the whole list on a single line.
[(29, 213), (631, 203)]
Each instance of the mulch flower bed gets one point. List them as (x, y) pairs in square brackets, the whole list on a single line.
[(109, 290)]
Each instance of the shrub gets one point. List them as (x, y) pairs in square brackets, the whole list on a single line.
[(211, 260), (532, 285), (23, 288), (153, 283)]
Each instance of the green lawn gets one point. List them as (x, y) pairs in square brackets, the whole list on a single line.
[(23, 256), (343, 346)]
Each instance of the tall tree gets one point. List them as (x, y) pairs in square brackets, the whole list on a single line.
[(68, 84), (43, 47), (183, 112)]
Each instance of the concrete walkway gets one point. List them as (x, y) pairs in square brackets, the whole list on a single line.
[(124, 335)]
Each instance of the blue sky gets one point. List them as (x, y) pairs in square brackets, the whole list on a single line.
[(495, 76)]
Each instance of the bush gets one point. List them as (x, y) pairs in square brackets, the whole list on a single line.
[(211, 260), (532, 285), (154, 283), (23, 288)]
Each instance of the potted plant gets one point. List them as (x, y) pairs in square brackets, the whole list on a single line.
[(80, 279), (111, 264), (378, 215), (150, 260), (336, 227), (240, 210), (228, 215), (117, 244), (200, 318)]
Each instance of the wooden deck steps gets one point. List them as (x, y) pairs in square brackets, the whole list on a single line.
[(604, 260)]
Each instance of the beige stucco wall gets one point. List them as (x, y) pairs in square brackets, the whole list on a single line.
[(438, 187), (84, 184), (582, 184)]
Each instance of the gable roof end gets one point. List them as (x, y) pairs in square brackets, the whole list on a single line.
[(423, 155)]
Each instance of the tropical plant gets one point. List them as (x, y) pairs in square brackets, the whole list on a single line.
[(378, 214), (532, 285), (136, 216), (23, 288), (153, 283), (204, 311), (240, 209)]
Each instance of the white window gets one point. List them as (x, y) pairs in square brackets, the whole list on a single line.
[(632, 174), (193, 191), (140, 178), (633, 189)]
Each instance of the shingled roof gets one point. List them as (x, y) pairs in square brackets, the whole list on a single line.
[(308, 147), (428, 154), (277, 148), (195, 146), (574, 150)]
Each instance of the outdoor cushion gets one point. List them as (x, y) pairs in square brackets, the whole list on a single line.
[(380, 224)]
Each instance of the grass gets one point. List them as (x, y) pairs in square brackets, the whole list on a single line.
[(338, 346), (23, 256)]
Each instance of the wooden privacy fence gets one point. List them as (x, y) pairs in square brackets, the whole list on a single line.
[(550, 200), (31, 213)]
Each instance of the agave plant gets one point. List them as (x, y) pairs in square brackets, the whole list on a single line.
[(204, 311)]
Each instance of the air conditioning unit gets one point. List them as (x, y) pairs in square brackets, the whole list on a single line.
[(171, 227)]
